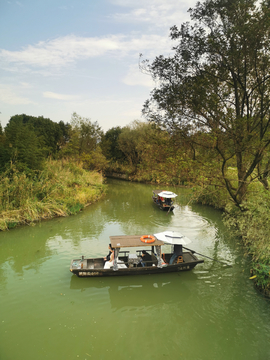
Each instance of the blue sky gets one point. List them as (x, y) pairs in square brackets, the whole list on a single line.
[(63, 56)]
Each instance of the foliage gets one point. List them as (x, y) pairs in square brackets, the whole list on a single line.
[(109, 145), (83, 145), (95, 160), (61, 189), (51, 135), (28, 140), (154, 155), (252, 224), (212, 195), (262, 272), (22, 145), (128, 142), (217, 83), (209, 189), (84, 136)]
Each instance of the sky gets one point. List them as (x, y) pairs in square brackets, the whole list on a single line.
[(63, 56)]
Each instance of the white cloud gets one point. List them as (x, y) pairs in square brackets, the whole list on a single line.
[(52, 95), (69, 49), (25, 85), (10, 96), (66, 50), (62, 50), (156, 12)]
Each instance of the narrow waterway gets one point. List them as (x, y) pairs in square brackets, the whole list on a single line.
[(212, 312)]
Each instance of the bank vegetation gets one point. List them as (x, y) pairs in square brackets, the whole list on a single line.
[(62, 188), (46, 169)]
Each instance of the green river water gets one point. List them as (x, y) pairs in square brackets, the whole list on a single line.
[(210, 313)]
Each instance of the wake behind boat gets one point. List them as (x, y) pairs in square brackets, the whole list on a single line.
[(138, 255)]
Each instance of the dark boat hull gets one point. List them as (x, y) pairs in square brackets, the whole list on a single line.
[(92, 268), (164, 207)]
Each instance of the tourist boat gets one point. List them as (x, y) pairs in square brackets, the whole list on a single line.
[(164, 199), (131, 257)]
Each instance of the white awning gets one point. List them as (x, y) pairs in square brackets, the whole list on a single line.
[(167, 194), (172, 237)]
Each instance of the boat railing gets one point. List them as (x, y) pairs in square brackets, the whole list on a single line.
[(135, 259), (125, 252)]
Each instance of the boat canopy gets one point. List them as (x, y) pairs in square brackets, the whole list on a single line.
[(121, 241), (172, 237), (165, 194)]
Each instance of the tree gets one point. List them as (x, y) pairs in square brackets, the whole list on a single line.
[(128, 142), (22, 146), (51, 135), (49, 132), (109, 144), (83, 144), (84, 136), (218, 82)]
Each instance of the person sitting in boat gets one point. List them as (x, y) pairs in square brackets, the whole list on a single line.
[(145, 257), (177, 251), (109, 258)]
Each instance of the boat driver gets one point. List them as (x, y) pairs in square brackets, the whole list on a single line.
[(177, 251)]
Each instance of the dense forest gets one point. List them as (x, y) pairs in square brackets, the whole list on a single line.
[(207, 126)]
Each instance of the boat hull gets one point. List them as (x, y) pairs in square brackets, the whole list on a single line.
[(164, 207), (92, 268)]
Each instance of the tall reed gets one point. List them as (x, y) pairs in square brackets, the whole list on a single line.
[(61, 189)]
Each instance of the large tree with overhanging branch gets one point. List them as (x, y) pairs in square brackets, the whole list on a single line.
[(217, 82)]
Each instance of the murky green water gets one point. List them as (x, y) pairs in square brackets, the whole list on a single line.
[(212, 312)]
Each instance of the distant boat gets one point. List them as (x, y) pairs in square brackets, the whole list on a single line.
[(164, 199), (138, 261)]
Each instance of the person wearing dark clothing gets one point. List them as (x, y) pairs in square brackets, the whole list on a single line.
[(177, 251), (145, 257)]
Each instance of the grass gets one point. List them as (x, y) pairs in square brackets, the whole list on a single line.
[(61, 189)]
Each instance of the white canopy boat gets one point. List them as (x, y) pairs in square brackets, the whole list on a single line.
[(164, 199)]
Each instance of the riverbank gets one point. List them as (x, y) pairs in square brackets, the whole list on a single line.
[(63, 188)]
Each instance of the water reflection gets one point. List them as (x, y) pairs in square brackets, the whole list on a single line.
[(139, 291), (135, 209), (24, 251)]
